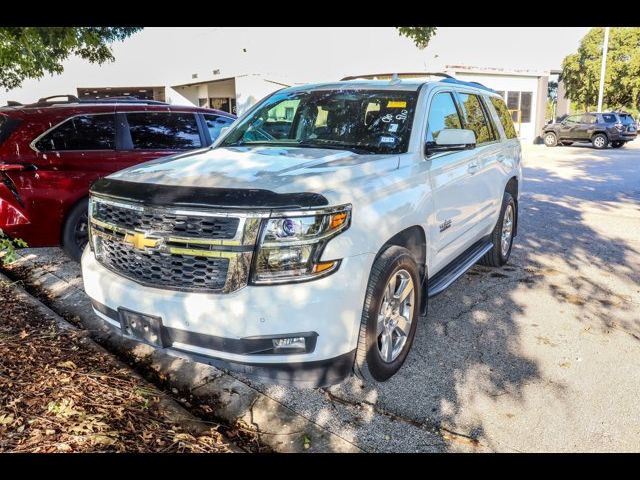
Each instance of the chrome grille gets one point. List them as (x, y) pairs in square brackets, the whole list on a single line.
[(200, 251), (156, 221), (165, 269)]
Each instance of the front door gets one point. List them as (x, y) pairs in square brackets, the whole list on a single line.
[(569, 129)]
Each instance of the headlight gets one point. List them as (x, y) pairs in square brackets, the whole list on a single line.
[(291, 244)]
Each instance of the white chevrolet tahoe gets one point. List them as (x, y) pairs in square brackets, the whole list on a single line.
[(304, 245)]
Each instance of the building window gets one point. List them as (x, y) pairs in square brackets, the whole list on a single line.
[(519, 104), (525, 107)]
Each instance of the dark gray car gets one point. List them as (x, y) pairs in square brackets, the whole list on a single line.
[(599, 129)]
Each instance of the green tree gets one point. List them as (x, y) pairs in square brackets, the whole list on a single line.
[(581, 70), (419, 35), (30, 52)]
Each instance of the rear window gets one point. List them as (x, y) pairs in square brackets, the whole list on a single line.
[(626, 119), (505, 117), (164, 131), (8, 125), (84, 132)]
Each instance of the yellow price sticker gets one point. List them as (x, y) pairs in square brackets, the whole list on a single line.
[(396, 104)]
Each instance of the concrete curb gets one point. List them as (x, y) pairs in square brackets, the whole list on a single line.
[(232, 401), (169, 407)]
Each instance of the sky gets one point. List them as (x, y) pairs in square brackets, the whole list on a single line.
[(159, 56)]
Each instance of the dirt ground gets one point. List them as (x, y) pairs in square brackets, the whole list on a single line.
[(59, 395)]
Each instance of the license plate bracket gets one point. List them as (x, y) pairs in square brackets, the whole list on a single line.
[(147, 328)]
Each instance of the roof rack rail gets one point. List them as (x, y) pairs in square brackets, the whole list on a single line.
[(67, 99), (400, 75), (123, 99), (470, 84)]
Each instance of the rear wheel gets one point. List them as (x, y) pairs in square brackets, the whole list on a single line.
[(75, 233), (389, 316), (502, 235), (617, 144), (550, 139), (600, 141)]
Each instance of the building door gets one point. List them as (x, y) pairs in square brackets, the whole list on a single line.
[(221, 103)]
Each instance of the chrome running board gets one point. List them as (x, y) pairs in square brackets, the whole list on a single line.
[(444, 278)]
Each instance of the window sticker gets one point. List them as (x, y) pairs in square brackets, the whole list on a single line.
[(402, 115), (387, 139), (396, 104), (393, 127)]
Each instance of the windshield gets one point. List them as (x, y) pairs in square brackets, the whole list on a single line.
[(365, 121)]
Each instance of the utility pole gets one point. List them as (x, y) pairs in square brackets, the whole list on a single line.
[(603, 66)]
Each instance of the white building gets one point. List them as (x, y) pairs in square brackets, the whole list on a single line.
[(524, 91), (234, 94)]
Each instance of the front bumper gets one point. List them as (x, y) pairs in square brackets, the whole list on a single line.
[(219, 328)]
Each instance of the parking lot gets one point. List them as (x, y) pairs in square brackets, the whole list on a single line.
[(540, 355)]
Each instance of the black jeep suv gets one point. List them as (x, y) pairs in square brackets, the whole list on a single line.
[(600, 129)]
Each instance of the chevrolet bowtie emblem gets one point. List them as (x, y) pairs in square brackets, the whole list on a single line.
[(139, 241)]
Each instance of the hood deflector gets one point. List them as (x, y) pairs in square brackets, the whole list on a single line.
[(154, 194)]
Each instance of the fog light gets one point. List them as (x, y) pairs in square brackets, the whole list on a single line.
[(292, 343)]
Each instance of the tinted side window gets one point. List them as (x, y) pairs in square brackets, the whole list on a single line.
[(505, 117), (626, 119), (85, 132), (442, 114), (475, 118), (573, 119), (588, 118), (609, 117), (215, 124), (164, 131)]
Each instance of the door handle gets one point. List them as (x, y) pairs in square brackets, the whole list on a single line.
[(473, 168), (501, 158)]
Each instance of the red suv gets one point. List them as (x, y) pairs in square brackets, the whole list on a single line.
[(52, 151)]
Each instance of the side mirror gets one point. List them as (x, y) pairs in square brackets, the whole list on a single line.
[(450, 140)]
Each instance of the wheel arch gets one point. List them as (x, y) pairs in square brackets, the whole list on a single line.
[(67, 213), (413, 239)]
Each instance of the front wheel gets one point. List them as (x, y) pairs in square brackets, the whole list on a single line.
[(550, 139), (75, 233), (600, 141), (389, 316), (502, 235)]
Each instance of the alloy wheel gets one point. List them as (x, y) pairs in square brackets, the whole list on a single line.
[(395, 316)]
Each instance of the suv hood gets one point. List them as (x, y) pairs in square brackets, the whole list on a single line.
[(283, 170)]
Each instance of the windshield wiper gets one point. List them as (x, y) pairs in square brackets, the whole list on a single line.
[(359, 149)]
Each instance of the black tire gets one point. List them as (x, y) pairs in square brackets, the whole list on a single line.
[(550, 139), (496, 257), (74, 231), (369, 364), (599, 141), (617, 144)]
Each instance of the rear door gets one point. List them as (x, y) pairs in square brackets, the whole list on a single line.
[(586, 127), (453, 195), (146, 135), (486, 177), (68, 158)]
